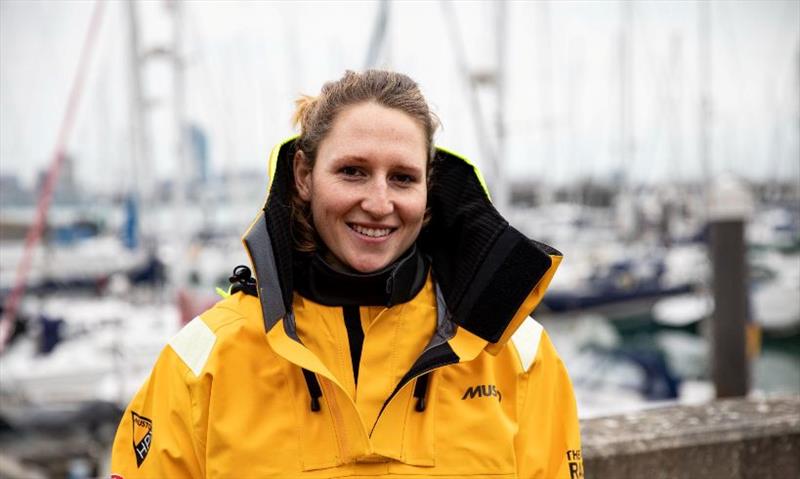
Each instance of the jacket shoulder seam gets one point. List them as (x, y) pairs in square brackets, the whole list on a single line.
[(527, 341), (193, 344), (237, 316)]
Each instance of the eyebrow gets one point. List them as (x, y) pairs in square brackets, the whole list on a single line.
[(339, 161), (395, 165), (409, 169)]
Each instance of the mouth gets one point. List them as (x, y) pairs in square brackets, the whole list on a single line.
[(371, 232)]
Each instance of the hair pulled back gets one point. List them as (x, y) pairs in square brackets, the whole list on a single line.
[(315, 117)]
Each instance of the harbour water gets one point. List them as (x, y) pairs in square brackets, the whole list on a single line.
[(617, 370)]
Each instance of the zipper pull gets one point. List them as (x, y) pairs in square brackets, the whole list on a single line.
[(420, 391)]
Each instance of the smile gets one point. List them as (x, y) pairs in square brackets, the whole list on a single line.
[(371, 232)]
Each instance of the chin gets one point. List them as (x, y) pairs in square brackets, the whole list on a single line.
[(369, 265)]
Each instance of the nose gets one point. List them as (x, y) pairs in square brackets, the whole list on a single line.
[(377, 201)]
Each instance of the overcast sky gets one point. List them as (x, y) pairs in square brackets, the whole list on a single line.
[(247, 61)]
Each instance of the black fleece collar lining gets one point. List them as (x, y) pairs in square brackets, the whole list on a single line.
[(484, 267), (397, 283)]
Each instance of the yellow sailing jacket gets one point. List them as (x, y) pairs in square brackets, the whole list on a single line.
[(263, 386)]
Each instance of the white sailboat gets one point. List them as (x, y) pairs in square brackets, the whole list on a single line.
[(104, 350)]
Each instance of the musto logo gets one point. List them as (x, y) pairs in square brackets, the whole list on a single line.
[(482, 390), (142, 437)]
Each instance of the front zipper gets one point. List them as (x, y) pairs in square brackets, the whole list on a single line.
[(400, 388)]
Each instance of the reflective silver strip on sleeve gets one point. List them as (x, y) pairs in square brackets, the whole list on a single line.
[(193, 344), (526, 339)]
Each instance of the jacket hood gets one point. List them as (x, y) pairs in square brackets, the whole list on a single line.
[(489, 275)]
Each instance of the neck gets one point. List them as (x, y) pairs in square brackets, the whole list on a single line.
[(324, 283)]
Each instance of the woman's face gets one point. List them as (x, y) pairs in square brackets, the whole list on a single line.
[(368, 188)]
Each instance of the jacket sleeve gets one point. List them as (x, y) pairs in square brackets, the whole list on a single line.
[(155, 438), (548, 443)]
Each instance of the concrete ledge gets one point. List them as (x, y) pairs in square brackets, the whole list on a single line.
[(732, 439)]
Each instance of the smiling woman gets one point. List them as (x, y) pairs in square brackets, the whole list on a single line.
[(356, 121), (367, 187), (376, 337)]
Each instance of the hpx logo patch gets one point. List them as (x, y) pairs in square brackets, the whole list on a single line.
[(142, 437), (482, 390)]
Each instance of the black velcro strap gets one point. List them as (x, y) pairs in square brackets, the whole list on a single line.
[(484, 267), (510, 272)]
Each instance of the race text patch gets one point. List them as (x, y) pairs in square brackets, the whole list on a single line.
[(575, 464)]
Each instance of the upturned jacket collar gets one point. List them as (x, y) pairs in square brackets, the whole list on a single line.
[(397, 283), (489, 276)]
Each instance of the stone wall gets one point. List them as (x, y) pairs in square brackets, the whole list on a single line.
[(726, 439)]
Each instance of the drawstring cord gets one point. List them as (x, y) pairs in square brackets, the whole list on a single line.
[(420, 390), (313, 389), (315, 392), (242, 280)]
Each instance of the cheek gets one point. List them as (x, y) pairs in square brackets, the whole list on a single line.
[(328, 204), (414, 210)]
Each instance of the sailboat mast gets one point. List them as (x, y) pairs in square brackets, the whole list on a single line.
[(179, 118), (797, 126), (139, 139), (704, 70), (546, 107), (473, 82), (502, 198), (626, 92), (378, 41), (675, 108), (627, 216), (12, 301)]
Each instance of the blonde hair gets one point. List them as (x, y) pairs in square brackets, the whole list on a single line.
[(315, 116)]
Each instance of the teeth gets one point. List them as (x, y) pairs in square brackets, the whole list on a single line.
[(371, 232)]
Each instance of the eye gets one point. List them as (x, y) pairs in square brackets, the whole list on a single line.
[(350, 171), (404, 179)]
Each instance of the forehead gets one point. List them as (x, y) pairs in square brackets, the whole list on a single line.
[(373, 132)]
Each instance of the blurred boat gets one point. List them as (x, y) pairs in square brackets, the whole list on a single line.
[(623, 284), (79, 351), (609, 376), (775, 228), (774, 297), (684, 311), (79, 255)]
